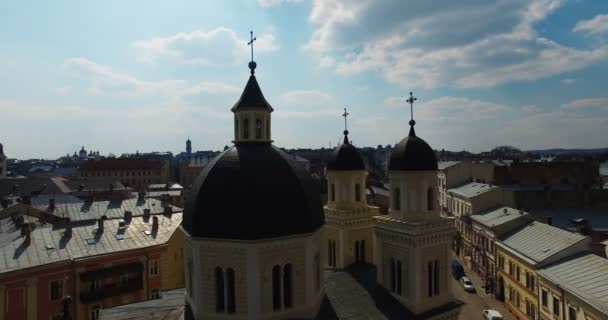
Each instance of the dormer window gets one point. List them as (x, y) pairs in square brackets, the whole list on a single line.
[(258, 129)]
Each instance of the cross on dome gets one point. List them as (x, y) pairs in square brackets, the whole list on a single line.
[(252, 63)]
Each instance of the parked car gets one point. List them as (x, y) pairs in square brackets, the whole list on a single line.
[(490, 314), (467, 284), (457, 269)]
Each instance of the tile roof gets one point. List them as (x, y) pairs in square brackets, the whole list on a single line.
[(171, 193), (538, 241), (585, 276), (28, 186), (77, 209), (121, 164), (472, 189), (48, 244), (499, 216)]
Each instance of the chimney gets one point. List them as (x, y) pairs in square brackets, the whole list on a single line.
[(111, 186), (26, 232), (81, 187), (141, 195), (100, 225), (146, 213), (68, 231), (154, 223), (26, 200), (168, 211), (51, 205), (128, 216), (548, 220)]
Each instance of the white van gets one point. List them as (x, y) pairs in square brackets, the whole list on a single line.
[(492, 315)]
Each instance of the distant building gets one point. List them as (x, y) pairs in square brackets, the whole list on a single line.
[(136, 173)]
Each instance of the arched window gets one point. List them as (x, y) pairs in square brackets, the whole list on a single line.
[(357, 192), (231, 293), (267, 129), (393, 275), (236, 129), (276, 288), (333, 192), (436, 277), (429, 199), (430, 278), (190, 288), (219, 290), (287, 286), (258, 129), (397, 199), (399, 281), (246, 129)]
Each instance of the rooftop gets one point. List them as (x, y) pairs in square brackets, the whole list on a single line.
[(538, 241), (49, 243), (122, 164), (78, 210), (446, 164), (584, 276), (169, 307), (563, 217), (498, 216), (472, 189)]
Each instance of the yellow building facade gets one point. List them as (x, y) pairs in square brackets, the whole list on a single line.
[(172, 262), (519, 280)]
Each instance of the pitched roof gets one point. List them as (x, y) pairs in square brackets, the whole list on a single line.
[(121, 164), (585, 276), (48, 245), (169, 307), (252, 97), (499, 216), (446, 164), (538, 241), (472, 189)]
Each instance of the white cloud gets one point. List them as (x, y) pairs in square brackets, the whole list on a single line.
[(595, 26), (472, 43), (102, 79), (218, 46), (568, 81), (601, 102), (274, 3)]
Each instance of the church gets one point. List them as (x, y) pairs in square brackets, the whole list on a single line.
[(259, 244)]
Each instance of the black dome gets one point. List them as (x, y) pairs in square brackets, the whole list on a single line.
[(253, 191), (413, 154), (345, 157)]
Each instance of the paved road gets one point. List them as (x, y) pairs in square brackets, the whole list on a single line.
[(476, 302)]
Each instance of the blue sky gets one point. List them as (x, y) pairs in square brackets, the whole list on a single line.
[(121, 76)]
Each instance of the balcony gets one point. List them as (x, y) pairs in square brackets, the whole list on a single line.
[(112, 290)]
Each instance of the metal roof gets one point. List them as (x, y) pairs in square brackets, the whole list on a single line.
[(563, 217), (585, 276), (169, 307), (538, 241), (77, 209), (472, 189), (499, 216), (446, 164), (48, 244)]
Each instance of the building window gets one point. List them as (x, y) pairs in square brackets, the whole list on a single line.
[(317, 272), (429, 199), (393, 273), (331, 250), (94, 285), (544, 298), (333, 192), (57, 316), (556, 306), (532, 283), (236, 129), (190, 289), (276, 288), (246, 129), (153, 268), (267, 129), (430, 278), (258, 129), (397, 199), (94, 314), (399, 280), (357, 192), (287, 286), (436, 277), (527, 279), (231, 291), (517, 273), (155, 294), (571, 313), (219, 290), (56, 289)]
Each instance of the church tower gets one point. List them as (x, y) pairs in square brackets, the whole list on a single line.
[(412, 248), (252, 226), (188, 147), (2, 162), (348, 232)]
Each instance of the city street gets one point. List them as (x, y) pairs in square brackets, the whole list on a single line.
[(474, 303)]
